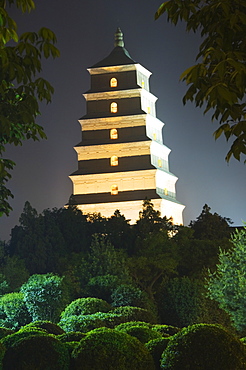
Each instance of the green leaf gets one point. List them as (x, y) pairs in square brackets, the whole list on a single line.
[(223, 128), (162, 9)]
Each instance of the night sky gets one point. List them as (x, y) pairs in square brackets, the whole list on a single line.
[(85, 33)]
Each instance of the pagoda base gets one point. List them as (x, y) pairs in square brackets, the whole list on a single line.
[(131, 209)]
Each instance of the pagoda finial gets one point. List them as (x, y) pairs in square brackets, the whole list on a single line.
[(118, 38)]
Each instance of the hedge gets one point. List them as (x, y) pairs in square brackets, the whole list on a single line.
[(110, 349), (203, 347)]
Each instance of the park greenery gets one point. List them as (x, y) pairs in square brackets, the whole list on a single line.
[(22, 86), (99, 292), (88, 292), (218, 80)]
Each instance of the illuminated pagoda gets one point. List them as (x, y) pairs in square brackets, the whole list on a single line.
[(122, 159)]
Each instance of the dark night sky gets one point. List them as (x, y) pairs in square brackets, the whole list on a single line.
[(85, 32)]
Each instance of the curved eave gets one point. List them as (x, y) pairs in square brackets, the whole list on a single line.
[(118, 56), (120, 94), (99, 123), (122, 196), (119, 68)]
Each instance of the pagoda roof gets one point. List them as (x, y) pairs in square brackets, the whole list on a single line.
[(118, 56)]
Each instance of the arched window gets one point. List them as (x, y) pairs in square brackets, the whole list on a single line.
[(159, 162), (114, 160), (113, 133), (113, 82), (114, 190), (154, 136), (165, 191), (113, 107)]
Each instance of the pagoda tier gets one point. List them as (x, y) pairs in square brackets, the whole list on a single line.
[(122, 159)]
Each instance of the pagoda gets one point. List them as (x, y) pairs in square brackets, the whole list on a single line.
[(122, 158)]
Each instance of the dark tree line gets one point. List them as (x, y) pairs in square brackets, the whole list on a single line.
[(110, 259)]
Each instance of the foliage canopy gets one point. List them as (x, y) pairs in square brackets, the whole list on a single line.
[(44, 296), (227, 285), (21, 86), (218, 80)]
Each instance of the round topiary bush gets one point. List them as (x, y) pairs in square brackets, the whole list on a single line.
[(109, 319), (12, 339), (166, 329), (70, 347), (71, 336), (82, 323), (140, 330), (48, 326), (85, 306), (37, 352), (143, 334), (129, 324), (110, 349), (156, 348), (130, 313), (204, 347)]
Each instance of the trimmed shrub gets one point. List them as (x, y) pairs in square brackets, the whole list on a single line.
[(130, 313), (109, 319), (4, 332), (165, 330), (142, 333), (48, 326), (70, 347), (71, 336), (39, 353), (204, 347), (129, 324), (82, 323), (156, 348), (85, 306), (139, 329), (85, 323), (12, 339), (110, 349)]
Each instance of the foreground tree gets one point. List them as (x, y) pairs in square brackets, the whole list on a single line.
[(218, 80), (227, 285), (21, 87)]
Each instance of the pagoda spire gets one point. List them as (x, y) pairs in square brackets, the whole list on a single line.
[(118, 38)]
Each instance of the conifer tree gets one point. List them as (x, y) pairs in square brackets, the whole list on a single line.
[(227, 285)]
